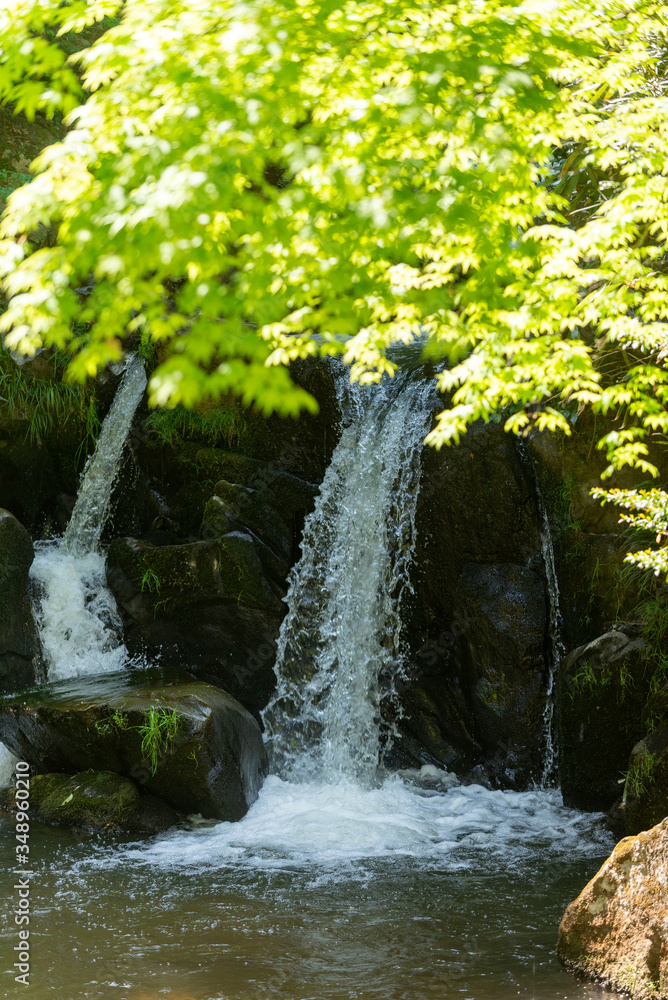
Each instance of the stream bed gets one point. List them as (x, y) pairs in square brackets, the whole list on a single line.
[(323, 892)]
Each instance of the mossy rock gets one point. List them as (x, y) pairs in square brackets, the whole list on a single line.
[(646, 790), (19, 645), (94, 800), (227, 569), (188, 743), (212, 607), (616, 931), (601, 690)]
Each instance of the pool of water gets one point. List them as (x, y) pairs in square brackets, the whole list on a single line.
[(321, 893)]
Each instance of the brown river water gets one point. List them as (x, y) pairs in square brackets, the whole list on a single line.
[(305, 901)]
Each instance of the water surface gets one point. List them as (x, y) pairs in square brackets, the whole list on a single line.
[(321, 893)]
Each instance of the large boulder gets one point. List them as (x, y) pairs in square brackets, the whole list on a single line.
[(500, 621), (209, 606), (19, 643), (93, 800), (616, 931), (478, 577), (601, 692), (188, 743)]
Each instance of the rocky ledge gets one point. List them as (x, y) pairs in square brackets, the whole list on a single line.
[(186, 743)]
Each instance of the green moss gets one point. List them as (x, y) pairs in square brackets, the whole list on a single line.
[(92, 799)]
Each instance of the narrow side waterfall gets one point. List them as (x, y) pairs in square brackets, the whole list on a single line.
[(339, 649), (91, 508), (76, 614), (557, 649), (556, 646)]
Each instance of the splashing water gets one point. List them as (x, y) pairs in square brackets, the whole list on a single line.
[(339, 649), (557, 649), (76, 614), (79, 625)]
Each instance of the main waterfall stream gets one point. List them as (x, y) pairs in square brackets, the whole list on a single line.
[(343, 880)]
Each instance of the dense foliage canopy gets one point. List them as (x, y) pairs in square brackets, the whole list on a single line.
[(248, 183)]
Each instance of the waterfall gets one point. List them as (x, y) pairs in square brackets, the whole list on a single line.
[(79, 625), (556, 650), (91, 508), (339, 648)]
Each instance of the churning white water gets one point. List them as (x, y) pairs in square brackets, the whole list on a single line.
[(339, 654), (332, 823), (339, 648)]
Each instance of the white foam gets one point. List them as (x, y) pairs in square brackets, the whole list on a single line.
[(77, 617), (325, 824)]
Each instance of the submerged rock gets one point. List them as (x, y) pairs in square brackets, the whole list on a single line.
[(186, 742), (616, 931), (94, 800), (19, 644)]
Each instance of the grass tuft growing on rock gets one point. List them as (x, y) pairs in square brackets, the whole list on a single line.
[(158, 732)]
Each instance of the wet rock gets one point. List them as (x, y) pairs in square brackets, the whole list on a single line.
[(253, 496), (645, 800), (19, 643), (188, 743), (601, 691), (596, 589), (616, 931), (429, 713), (167, 485), (94, 800), (477, 508), (477, 505), (500, 622), (208, 606)]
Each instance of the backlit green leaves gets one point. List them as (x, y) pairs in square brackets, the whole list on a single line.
[(648, 511), (251, 183)]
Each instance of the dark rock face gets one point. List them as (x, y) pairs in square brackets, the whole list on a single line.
[(600, 696), (616, 931), (215, 605), (163, 488), (19, 644), (94, 800), (478, 622), (589, 544), (188, 743), (646, 790), (500, 622)]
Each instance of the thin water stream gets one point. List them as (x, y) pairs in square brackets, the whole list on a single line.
[(343, 881)]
